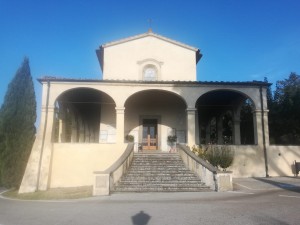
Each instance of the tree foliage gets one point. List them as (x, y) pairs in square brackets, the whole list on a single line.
[(218, 156), (17, 130), (284, 116)]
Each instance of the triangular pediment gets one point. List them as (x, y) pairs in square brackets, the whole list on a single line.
[(149, 34)]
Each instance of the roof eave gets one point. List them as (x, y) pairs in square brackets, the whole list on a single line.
[(244, 83), (100, 56), (198, 56), (151, 34)]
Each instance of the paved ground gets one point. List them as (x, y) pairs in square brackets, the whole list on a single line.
[(254, 201)]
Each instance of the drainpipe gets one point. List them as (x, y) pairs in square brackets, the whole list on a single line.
[(263, 131), (44, 136)]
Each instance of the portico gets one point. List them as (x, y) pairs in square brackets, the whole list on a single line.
[(149, 90)]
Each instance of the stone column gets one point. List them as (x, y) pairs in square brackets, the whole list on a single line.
[(261, 132), (120, 124), (236, 129), (191, 126), (257, 127), (220, 130), (62, 124), (74, 127), (81, 129), (87, 132), (258, 130), (207, 133), (266, 124), (60, 128), (197, 128)]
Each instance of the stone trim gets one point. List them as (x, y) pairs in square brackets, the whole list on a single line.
[(211, 176), (188, 83), (104, 181)]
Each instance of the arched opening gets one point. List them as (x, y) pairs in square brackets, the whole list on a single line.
[(153, 115), (225, 117), (150, 73), (246, 118), (81, 115)]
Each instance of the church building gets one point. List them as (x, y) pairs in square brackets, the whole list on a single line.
[(149, 92)]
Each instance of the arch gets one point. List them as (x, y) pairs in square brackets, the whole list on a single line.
[(229, 90), (221, 103), (80, 113), (158, 90), (160, 110), (65, 91)]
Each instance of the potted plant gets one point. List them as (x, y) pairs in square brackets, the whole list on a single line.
[(129, 138), (172, 138), (172, 142)]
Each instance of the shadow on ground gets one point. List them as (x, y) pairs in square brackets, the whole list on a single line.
[(140, 218), (282, 185)]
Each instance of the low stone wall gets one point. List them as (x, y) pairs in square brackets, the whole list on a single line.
[(73, 164), (215, 179), (281, 160), (104, 181), (249, 160)]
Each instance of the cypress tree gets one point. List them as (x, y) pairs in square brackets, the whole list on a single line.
[(17, 129)]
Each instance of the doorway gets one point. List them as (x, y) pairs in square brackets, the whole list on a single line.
[(149, 138)]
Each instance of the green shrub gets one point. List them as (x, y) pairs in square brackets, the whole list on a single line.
[(227, 156), (199, 151), (213, 155), (129, 138), (172, 138), (218, 156)]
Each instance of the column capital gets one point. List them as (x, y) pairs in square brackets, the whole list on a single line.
[(120, 109), (260, 111), (191, 109), (50, 108)]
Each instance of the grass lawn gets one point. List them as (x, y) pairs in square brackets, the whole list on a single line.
[(53, 194)]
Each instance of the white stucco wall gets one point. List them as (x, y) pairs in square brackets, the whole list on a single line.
[(282, 159), (249, 160), (73, 165), (123, 61)]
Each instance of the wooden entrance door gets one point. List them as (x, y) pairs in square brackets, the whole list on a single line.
[(149, 134)]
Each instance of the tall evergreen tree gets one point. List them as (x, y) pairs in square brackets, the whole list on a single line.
[(286, 111), (17, 129), (269, 94)]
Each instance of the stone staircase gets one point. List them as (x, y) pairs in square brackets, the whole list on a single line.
[(159, 172)]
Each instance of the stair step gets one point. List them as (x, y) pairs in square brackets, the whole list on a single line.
[(162, 189), (163, 183), (159, 172)]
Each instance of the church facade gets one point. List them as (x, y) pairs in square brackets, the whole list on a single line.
[(149, 92)]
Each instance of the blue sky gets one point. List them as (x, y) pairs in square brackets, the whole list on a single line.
[(240, 40)]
